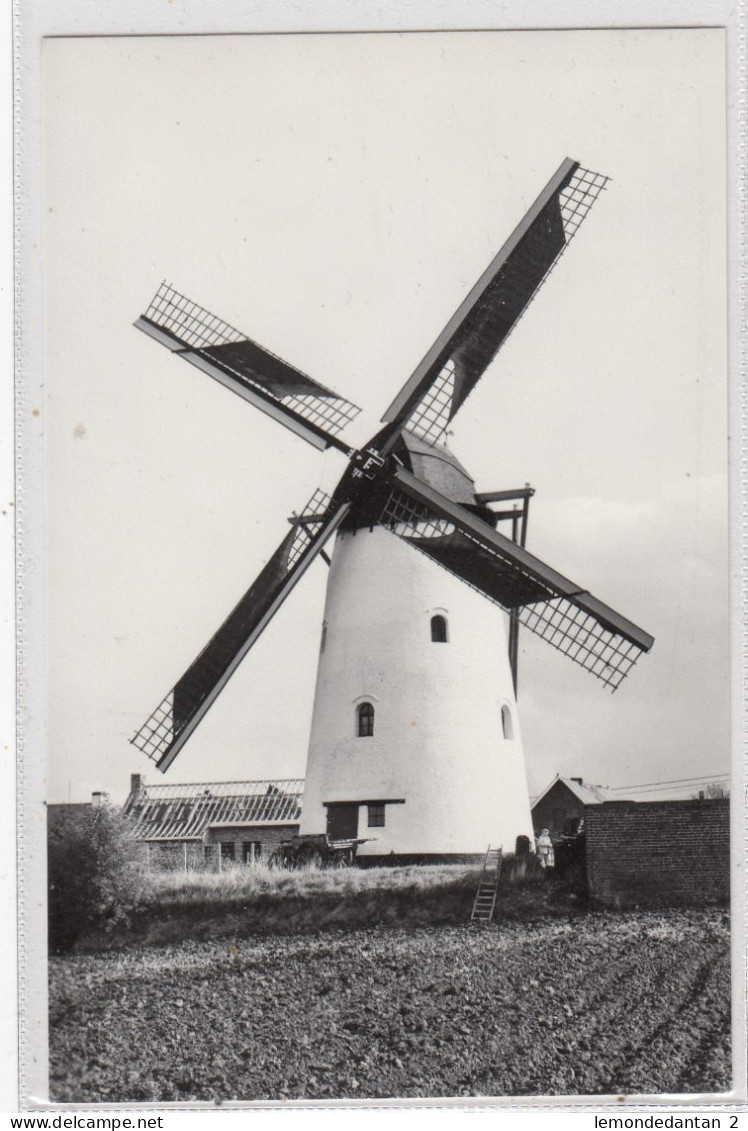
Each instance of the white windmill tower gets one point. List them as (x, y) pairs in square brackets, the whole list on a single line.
[(415, 743)]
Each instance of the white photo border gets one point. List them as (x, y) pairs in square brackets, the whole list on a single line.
[(38, 19)]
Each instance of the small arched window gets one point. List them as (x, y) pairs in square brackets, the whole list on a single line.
[(323, 641), (365, 715), (506, 722), (439, 630)]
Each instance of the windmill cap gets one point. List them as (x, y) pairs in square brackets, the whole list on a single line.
[(439, 468)]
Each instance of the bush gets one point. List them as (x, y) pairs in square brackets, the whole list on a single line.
[(94, 877), (524, 869)]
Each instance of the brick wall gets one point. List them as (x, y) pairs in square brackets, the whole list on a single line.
[(172, 856), (269, 836), (659, 853)]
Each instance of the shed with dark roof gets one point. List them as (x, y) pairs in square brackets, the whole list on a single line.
[(561, 806)]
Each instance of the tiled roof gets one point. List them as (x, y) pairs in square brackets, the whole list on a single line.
[(586, 793), (184, 812)]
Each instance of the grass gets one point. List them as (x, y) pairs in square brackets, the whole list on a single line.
[(245, 901), (238, 883)]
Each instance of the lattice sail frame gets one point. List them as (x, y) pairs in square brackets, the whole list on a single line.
[(200, 330), (158, 732), (557, 619), (162, 728), (432, 416), (308, 525)]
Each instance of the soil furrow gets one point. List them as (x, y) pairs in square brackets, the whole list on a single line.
[(601, 1004)]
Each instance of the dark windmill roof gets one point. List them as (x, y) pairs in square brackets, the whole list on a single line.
[(433, 464), (184, 812), (436, 465)]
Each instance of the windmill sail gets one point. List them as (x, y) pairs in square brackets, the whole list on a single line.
[(272, 385), (476, 332), (170, 725), (554, 608)]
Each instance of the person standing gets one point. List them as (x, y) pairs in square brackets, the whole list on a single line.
[(544, 848)]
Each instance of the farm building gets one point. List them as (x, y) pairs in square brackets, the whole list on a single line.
[(561, 806), (216, 823), (672, 852), (634, 853)]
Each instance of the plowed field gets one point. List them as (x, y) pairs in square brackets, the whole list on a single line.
[(630, 1003)]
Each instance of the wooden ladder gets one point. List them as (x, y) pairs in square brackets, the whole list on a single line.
[(488, 887)]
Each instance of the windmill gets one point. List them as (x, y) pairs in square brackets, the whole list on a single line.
[(415, 742)]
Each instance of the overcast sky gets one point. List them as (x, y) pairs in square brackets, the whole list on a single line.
[(335, 197)]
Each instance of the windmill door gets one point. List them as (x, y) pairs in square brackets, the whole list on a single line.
[(342, 822)]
